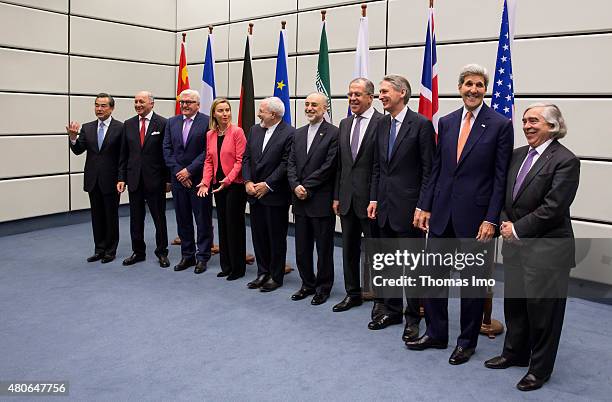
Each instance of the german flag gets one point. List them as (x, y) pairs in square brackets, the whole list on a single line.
[(246, 112)]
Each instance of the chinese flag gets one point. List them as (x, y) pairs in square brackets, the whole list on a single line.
[(183, 79)]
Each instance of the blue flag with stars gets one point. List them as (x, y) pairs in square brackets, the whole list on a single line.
[(503, 86), (281, 82)]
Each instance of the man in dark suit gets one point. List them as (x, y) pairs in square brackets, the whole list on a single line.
[(463, 200), (143, 169), (102, 140), (403, 156), (184, 151), (356, 139), (312, 172), (264, 169), (538, 248)]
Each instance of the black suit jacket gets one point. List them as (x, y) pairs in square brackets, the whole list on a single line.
[(189, 155), (269, 166), (353, 177), (541, 211), (146, 161), (101, 165), (315, 170), (398, 183)]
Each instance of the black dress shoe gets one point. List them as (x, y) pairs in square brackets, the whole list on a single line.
[(426, 342), (460, 355), (530, 382), (384, 321), (222, 274), (258, 282), (107, 258), (200, 267), (411, 332), (377, 310), (233, 277), (501, 362), (319, 298), (133, 259), (270, 286), (95, 257), (185, 263), (347, 303), (302, 294), (164, 262)]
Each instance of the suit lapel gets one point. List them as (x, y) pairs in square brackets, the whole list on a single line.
[(535, 169), (152, 127), (385, 129), (316, 140), (453, 137), (191, 129), (513, 172), (369, 133), (273, 137), (109, 131), (346, 141)]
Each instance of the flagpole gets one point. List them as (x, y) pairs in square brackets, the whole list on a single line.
[(323, 12), (364, 7), (250, 29)]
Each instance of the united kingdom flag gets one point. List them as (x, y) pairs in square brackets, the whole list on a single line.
[(428, 99), (503, 84)]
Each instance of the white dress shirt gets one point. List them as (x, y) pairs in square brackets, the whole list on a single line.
[(365, 120), (312, 132)]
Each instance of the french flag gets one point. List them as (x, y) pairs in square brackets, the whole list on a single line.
[(208, 93)]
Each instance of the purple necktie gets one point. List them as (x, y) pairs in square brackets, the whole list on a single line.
[(186, 128), (523, 173), (355, 136)]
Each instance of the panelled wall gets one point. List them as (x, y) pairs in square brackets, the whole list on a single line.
[(73, 49)]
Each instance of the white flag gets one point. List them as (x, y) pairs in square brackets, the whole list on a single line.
[(362, 56)]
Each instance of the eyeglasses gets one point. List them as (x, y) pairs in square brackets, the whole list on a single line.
[(187, 102), (355, 94)]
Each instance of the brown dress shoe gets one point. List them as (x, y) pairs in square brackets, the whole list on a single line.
[(176, 241)]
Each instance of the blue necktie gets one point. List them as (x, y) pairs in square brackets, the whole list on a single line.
[(100, 135), (392, 137)]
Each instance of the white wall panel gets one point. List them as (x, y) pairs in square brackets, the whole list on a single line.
[(340, 69), (22, 71), (198, 13), (52, 5), (120, 41), (90, 76), (342, 27), (24, 198), (157, 14), (221, 81), (594, 198), (51, 113), (79, 199), (264, 71), (310, 4), (33, 156), (266, 33), (195, 44), (593, 265), (242, 9), (54, 36)]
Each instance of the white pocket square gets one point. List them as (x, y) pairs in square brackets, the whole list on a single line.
[(155, 133)]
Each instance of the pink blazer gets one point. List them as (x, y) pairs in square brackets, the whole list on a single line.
[(231, 156)]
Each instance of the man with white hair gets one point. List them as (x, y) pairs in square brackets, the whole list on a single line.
[(184, 151), (312, 172), (264, 169), (463, 200), (539, 249)]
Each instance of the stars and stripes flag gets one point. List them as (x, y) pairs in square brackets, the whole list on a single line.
[(428, 100), (209, 92), (502, 100), (362, 55)]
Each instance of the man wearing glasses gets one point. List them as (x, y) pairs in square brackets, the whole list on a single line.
[(184, 150)]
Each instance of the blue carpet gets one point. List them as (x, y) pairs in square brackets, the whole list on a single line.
[(145, 333)]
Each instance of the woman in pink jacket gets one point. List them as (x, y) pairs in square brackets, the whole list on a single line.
[(223, 172)]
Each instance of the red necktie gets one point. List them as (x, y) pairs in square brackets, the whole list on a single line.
[(142, 130)]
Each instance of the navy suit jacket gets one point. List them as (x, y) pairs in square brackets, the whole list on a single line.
[(470, 191), (398, 183), (146, 161), (192, 154), (101, 165), (269, 166), (315, 170)]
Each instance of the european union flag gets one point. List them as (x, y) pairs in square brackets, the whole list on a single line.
[(281, 83)]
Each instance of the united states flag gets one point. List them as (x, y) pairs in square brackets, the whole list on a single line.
[(503, 84), (428, 100)]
